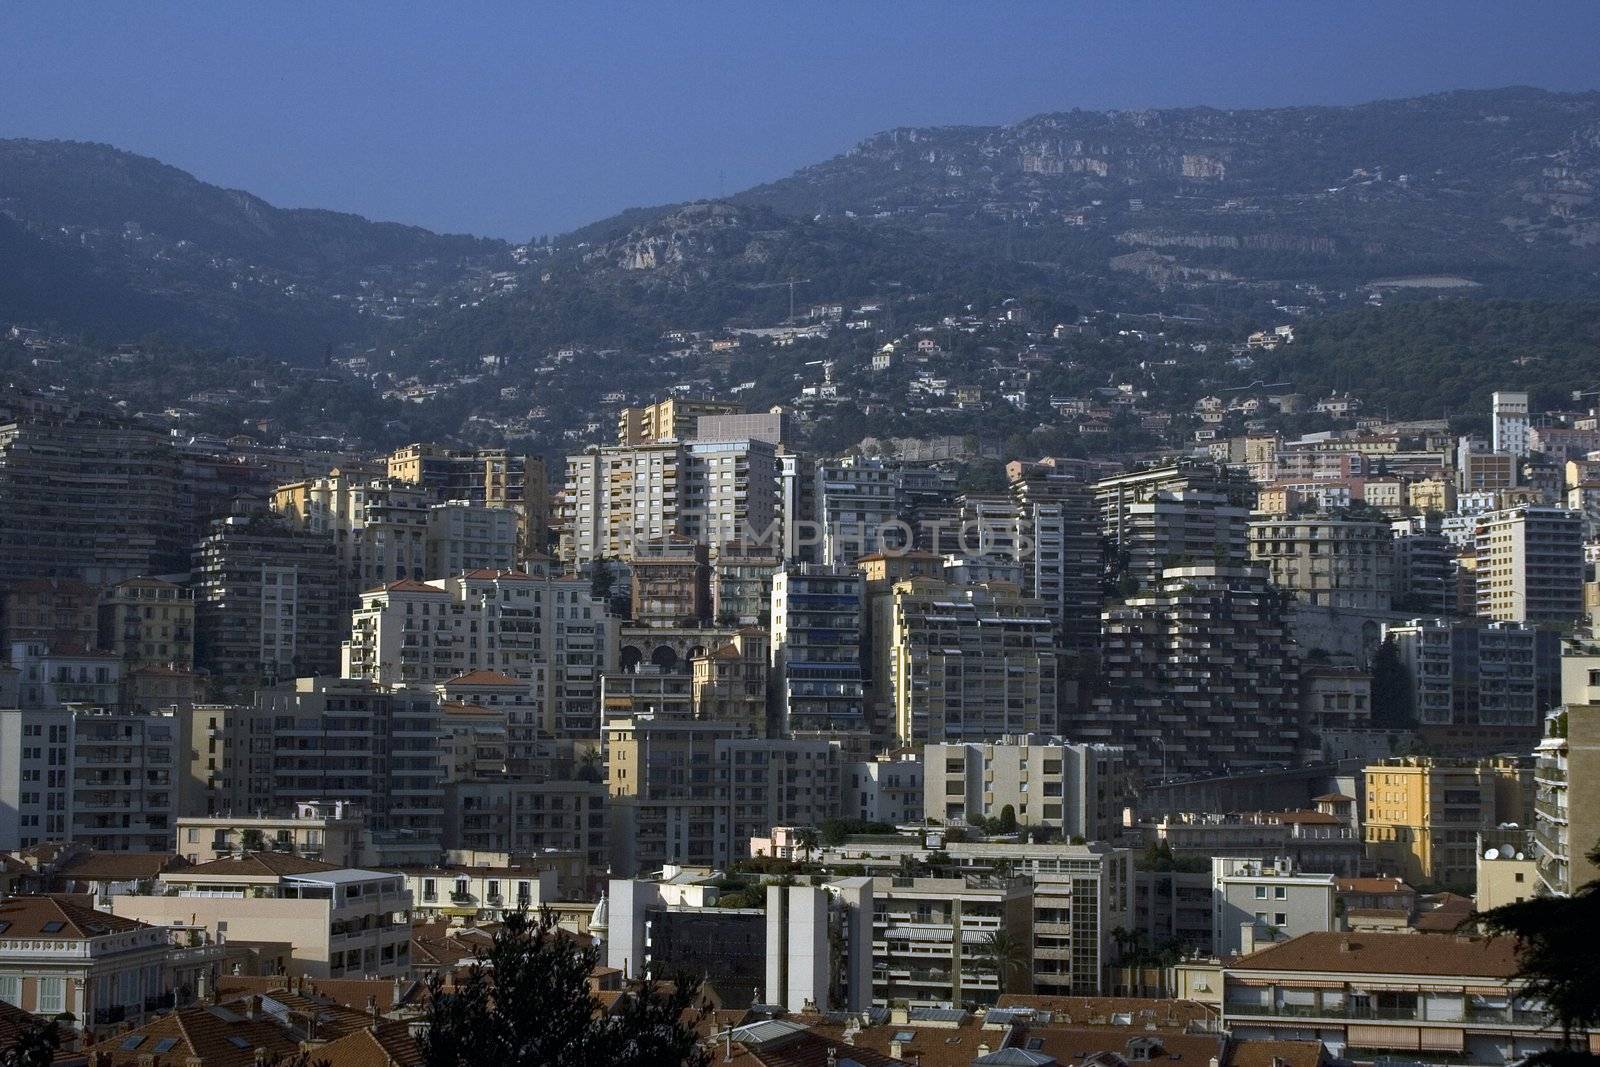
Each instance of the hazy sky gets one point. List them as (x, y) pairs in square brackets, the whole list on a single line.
[(518, 119)]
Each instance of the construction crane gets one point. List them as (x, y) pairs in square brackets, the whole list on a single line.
[(791, 283)]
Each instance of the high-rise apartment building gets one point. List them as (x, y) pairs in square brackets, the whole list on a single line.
[(817, 614), (619, 498), (468, 537), (672, 419), (349, 740), (548, 633), (1530, 565), (729, 682), (97, 777), (148, 622), (741, 583), (1510, 416), (1424, 566), (662, 775), (1058, 524), (855, 501), (56, 612), (492, 478), (671, 583), (1117, 494), (266, 602), (967, 663), (1328, 561), (1202, 675), (1566, 804), (1185, 527), (1077, 790), (1477, 688), (86, 494)]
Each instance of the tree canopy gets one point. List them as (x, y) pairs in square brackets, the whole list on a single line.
[(527, 1003)]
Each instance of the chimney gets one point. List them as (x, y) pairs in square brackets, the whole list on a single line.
[(1247, 938), (261, 1057), (372, 1010), (833, 1057), (896, 1050), (252, 1004), (983, 1049)]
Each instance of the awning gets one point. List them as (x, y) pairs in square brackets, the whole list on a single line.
[(1363, 1036)]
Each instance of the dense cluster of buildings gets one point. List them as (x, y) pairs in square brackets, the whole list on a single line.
[(1228, 727)]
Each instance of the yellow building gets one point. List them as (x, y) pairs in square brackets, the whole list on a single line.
[(487, 477), (148, 622), (1424, 815), (1505, 879), (1432, 494), (669, 419), (967, 662)]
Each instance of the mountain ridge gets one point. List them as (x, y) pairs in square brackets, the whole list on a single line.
[(1145, 209)]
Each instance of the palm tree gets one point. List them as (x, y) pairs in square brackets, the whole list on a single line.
[(1005, 957), (805, 840)]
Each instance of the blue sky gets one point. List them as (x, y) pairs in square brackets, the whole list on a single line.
[(517, 119)]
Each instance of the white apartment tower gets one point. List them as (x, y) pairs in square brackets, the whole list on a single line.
[(1511, 423)]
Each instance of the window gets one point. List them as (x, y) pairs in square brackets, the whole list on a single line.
[(11, 990), (52, 996), (1280, 919), (1278, 892), (1261, 892)]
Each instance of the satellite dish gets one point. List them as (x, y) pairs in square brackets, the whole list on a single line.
[(1492, 854), (1520, 856)]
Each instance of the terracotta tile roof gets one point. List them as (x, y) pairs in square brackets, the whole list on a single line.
[(406, 585), (804, 1048), (1309, 818), (1443, 913), (485, 678), (29, 916), (1101, 1011), (484, 574), (1276, 1054), (257, 865), (931, 1046), (431, 949), (1372, 885), (353, 992), (13, 1021), (214, 1035), (350, 993), (390, 1044), (120, 866), (1399, 954), (1072, 1044), (1389, 914)]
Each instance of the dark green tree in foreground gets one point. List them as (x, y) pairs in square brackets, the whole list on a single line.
[(527, 1004), (1391, 688), (36, 1046), (1556, 939)]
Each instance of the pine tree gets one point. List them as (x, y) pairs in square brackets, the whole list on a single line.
[(527, 1004)]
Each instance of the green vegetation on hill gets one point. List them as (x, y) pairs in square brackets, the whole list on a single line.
[(1437, 358)]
